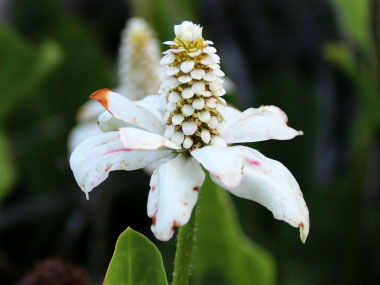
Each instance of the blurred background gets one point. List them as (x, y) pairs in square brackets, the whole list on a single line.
[(316, 59)]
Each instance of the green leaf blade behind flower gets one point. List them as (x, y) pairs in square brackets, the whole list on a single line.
[(7, 168), (136, 261), (223, 253)]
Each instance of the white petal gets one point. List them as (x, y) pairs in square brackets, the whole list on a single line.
[(198, 87), (213, 122), (197, 74), (188, 142), (211, 102), (184, 78), (167, 59), (155, 104), (187, 66), (187, 93), (204, 116), (89, 110), (209, 76), (218, 141), (187, 110), (81, 132), (169, 131), (178, 50), (173, 195), (108, 123), (206, 93), (225, 163), (207, 60), (177, 119), (172, 70), (271, 184), (128, 111), (220, 92), (198, 103), (205, 135), (230, 116), (209, 50), (174, 97), (177, 138), (170, 43), (208, 42), (195, 53), (136, 139), (189, 128), (258, 125), (95, 157)]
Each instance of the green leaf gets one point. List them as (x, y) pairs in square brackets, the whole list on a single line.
[(223, 254), (136, 261), (7, 168)]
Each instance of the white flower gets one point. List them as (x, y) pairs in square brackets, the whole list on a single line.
[(178, 152), (188, 31), (138, 76)]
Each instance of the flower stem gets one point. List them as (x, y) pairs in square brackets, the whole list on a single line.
[(184, 255)]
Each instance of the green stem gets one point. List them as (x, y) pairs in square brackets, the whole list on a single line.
[(184, 255)]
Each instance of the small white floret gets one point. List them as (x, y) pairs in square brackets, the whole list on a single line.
[(213, 123), (198, 103), (209, 76), (207, 60), (174, 97), (187, 110), (215, 85), (170, 107), (198, 87), (167, 59), (187, 66), (188, 31), (197, 74), (195, 53), (178, 50), (189, 128), (220, 109), (220, 92), (170, 43), (187, 93), (177, 120), (184, 78), (219, 73), (204, 116), (211, 102), (171, 82), (205, 136), (177, 138), (218, 141), (172, 70), (187, 143), (209, 50), (206, 93)]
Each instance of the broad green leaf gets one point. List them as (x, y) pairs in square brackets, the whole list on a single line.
[(24, 66), (223, 254), (136, 261), (7, 168)]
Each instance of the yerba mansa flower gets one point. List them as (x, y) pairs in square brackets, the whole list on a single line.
[(187, 127)]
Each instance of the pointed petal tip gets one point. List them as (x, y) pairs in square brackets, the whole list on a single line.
[(101, 96), (304, 232), (87, 196), (300, 133)]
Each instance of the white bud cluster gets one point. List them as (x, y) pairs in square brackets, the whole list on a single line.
[(193, 86), (139, 55)]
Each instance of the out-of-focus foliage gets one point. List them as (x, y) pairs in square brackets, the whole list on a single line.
[(224, 255), (136, 260), (7, 168)]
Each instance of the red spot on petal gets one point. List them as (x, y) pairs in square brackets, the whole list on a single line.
[(196, 188), (175, 225), (301, 225), (253, 162), (101, 96), (153, 188), (154, 220)]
